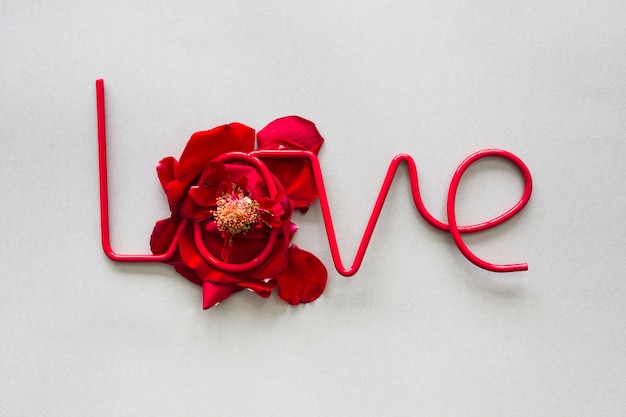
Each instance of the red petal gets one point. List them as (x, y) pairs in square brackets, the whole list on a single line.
[(177, 191), (304, 280), (188, 273), (242, 183), (296, 176), (165, 170), (261, 287), (162, 235), (218, 277), (188, 209), (212, 177), (254, 182), (194, 260), (203, 147), (291, 132), (276, 263), (244, 247), (190, 255), (160, 241), (215, 293), (271, 212), (263, 293)]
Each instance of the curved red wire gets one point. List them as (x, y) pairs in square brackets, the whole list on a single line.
[(452, 226)]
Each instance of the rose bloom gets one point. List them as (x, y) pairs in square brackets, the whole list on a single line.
[(237, 212)]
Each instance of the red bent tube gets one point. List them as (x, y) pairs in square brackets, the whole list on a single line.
[(452, 227)]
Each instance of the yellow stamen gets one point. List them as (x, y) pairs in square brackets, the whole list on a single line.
[(236, 213)]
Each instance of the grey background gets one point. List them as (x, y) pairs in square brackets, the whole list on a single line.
[(419, 330)]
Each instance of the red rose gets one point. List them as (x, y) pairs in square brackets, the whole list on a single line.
[(236, 211)]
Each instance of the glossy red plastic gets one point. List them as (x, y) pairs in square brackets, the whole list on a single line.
[(255, 158)]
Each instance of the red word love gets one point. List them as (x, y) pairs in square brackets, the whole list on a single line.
[(256, 158)]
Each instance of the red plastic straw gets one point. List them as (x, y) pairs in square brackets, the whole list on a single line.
[(452, 227)]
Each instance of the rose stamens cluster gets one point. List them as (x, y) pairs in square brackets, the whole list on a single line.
[(236, 212)]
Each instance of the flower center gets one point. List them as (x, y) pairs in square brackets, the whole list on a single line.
[(235, 213)]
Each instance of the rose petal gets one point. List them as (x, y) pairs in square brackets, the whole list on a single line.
[(160, 241), (193, 259), (190, 255), (162, 235), (205, 193), (261, 287), (165, 170), (249, 175), (296, 176), (271, 212), (188, 273), (243, 249), (276, 263), (263, 293), (220, 277), (305, 278), (291, 132), (176, 190), (193, 212), (203, 147), (215, 293)]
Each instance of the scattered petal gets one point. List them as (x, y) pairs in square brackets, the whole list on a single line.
[(290, 132), (305, 278)]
